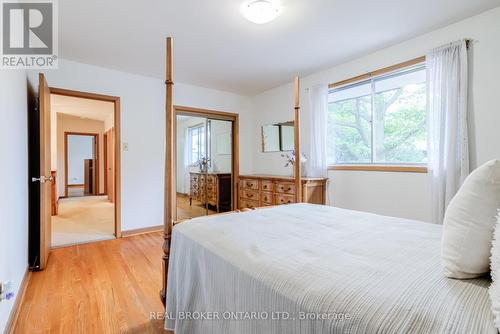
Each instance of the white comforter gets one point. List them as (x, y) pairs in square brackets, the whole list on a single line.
[(278, 270)]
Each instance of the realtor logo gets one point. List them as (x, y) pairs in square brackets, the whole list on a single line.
[(29, 34)]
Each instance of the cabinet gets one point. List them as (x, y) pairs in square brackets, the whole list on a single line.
[(216, 191), (265, 190)]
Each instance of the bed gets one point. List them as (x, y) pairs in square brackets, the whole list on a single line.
[(306, 268)]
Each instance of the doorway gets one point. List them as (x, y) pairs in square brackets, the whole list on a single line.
[(81, 162), (206, 162), (85, 208), (58, 216)]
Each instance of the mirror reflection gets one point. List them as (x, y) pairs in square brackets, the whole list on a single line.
[(278, 137)]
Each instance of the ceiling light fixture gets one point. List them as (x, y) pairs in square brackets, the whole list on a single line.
[(261, 11)]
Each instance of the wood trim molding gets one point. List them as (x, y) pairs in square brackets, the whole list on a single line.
[(215, 114), (378, 72), (118, 169), (380, 168), (83, 95), (14, 314), (128, 233)]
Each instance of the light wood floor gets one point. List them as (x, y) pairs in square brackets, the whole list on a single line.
[(103, 287), (186, 211)]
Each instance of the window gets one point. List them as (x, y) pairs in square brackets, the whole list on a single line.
[(380, 120), (198, 143)]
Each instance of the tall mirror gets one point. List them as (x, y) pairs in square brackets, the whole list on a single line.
[(278, 137), (204, 166)]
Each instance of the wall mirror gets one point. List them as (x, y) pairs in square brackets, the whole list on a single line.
[(278, 137)]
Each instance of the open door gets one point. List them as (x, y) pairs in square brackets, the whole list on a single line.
[(45, 179)]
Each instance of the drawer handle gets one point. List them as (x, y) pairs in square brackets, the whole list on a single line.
[(250, 195), (249, 184), (265, 186)]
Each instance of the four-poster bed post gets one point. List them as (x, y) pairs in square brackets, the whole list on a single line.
[(298, 174), (169, 213), (169, 169)]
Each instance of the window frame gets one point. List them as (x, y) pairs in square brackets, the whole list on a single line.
[(198, 127), (379, 167)]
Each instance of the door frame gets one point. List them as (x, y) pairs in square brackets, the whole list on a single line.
[(105, 161), (96, 154), (235, 157), (117, 132)]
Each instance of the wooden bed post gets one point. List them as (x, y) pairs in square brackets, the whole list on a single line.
[(169, 170), (298, 176)]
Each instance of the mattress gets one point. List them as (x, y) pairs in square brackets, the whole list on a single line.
[(306, 268)]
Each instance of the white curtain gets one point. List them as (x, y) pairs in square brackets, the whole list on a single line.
[(447, 123), (187, 161), (318, 108)]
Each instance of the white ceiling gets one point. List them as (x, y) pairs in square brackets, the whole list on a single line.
[(216, 47), (83, 108)]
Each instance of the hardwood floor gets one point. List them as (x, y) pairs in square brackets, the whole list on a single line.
[(186, 211), (103, 287)]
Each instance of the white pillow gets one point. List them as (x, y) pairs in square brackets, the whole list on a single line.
[(495, 274), (469, 222)]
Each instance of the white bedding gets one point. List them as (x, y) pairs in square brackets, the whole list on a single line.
[(362, 273)]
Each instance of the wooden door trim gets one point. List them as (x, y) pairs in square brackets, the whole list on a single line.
[(117, 134), (235, 158), (105, 160), (96, 140)]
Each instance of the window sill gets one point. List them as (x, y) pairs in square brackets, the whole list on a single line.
[(381, 168)]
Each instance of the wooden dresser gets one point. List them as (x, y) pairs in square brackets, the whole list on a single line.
[(218, 190), (265, 190)]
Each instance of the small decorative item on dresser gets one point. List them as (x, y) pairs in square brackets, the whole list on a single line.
[(290, 161)]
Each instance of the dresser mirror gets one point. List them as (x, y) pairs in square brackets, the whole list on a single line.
[(278, 137)]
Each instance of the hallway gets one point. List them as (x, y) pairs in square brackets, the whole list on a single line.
[(83, 219)]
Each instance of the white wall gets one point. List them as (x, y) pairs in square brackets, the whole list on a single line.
[(220, 130), (14, 186), (79, 149), (143, 128), (405, 195), (109, 122)]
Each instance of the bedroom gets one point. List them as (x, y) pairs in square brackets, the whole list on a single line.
[(254, 79)]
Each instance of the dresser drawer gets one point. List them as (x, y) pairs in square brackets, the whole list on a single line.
[(248, 204), (210, 187), (284, 199), (249, 184), (211, 179), (266, 198), (250, 194), (285, 187), (267, 186)]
